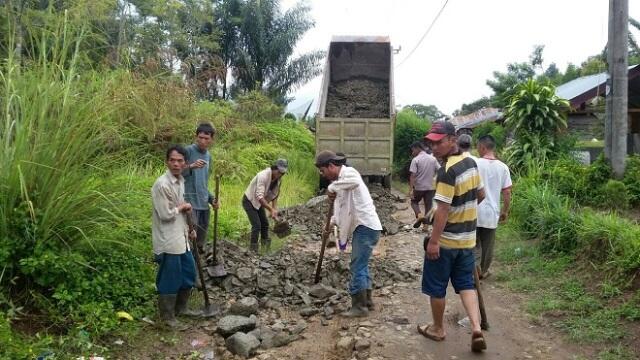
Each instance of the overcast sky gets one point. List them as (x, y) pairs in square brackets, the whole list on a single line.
[(470, 40)]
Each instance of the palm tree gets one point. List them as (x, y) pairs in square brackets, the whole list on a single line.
[(264, 55), (633, 44)]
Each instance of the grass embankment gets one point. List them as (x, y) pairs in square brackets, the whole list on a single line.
[(81, 150), (578, 267)]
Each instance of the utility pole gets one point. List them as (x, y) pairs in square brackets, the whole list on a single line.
[(616, 120)]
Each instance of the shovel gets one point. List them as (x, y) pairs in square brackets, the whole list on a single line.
[(281, 228), (217, 270), (325, 238), (209, 309)]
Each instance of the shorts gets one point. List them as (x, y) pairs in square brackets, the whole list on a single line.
[(454, 264)]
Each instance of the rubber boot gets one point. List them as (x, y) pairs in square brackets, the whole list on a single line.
[(166, 310), (370, 304), (182, 301), (358, 305), (253, 246)]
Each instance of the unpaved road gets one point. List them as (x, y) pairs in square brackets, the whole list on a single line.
[(391, 329)]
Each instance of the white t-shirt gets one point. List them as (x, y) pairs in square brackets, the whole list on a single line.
[(495, 177)]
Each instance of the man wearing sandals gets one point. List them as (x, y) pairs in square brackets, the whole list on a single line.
[(450, 250)]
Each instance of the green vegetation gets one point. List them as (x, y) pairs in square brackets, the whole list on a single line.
[(409, 129), (589, 307), (536, 116), (84, 122)]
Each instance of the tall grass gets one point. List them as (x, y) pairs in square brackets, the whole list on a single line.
[(51, 163)]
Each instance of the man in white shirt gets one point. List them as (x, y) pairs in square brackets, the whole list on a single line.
[(355, 214), (497, 181), (170, 234)]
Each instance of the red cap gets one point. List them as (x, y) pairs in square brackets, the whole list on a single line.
[(439, 130)]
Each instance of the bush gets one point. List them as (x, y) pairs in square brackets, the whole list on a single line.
[(409, 129), (568, 177), (612, 240), (541, 213), (632, 179), (614, 195)]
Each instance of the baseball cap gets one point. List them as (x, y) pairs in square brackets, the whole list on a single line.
[(440, 129), (282, 165), (325, 157)]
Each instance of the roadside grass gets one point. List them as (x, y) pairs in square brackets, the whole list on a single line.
[(569, 294)]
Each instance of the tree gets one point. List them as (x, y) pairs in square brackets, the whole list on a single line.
[(474, 106), (536, 116), (593, 65), (263, 60), (228, 20), (427, 112), (572, 72)]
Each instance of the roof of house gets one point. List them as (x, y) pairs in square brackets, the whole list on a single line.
[(585, 88), (476, 118)]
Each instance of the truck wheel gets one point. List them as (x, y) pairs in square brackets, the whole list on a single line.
[(386, 181)]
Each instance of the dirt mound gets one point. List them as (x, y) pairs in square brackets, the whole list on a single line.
[(358, 98), (308, 219)]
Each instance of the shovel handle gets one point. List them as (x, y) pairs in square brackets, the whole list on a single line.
[(325, 238), (196, 257), (215, 221)]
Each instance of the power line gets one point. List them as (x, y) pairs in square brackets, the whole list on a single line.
[(425, 34)]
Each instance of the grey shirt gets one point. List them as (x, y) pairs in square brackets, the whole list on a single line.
[(196, 181), (424, 167), (169, 228)]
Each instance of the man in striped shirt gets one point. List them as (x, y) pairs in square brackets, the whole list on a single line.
[(449, 251)]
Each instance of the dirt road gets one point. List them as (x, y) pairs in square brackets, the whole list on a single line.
[(390, 331), (511, 336)]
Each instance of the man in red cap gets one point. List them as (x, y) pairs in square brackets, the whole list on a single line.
[(449, 251)]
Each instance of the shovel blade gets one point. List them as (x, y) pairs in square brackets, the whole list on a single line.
[(282, 228)]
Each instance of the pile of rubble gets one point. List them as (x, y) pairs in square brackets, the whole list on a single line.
[(358, 98), (268, 298), (308, 219)]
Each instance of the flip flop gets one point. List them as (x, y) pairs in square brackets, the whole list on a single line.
[(477, 342), (425, 332), (418, 223)]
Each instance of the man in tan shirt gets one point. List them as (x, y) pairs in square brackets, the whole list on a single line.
[(171, 248)]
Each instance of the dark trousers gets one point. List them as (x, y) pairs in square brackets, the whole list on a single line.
[(175, 272), (201, 220), (485, 240), (422, 195), (259, 223)]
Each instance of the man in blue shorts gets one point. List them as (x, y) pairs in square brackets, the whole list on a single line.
[(449, 251)]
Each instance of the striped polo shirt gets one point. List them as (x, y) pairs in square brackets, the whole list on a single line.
[(457, 184)]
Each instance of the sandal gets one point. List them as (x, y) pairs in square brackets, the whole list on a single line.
[(477, 342), (425, 332)]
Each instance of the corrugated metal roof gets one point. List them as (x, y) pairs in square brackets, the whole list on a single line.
[(476, 118), (580, 85)]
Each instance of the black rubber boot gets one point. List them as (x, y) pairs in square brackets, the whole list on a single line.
[(253, 247), (166, 310), (370, 304), (358, 306), (182, 300)]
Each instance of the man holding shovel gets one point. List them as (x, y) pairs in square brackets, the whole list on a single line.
[(170, 233), (355, 214), (449, 250), (196, 177)]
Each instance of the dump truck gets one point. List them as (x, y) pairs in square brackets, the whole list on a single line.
[(356, 115)]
